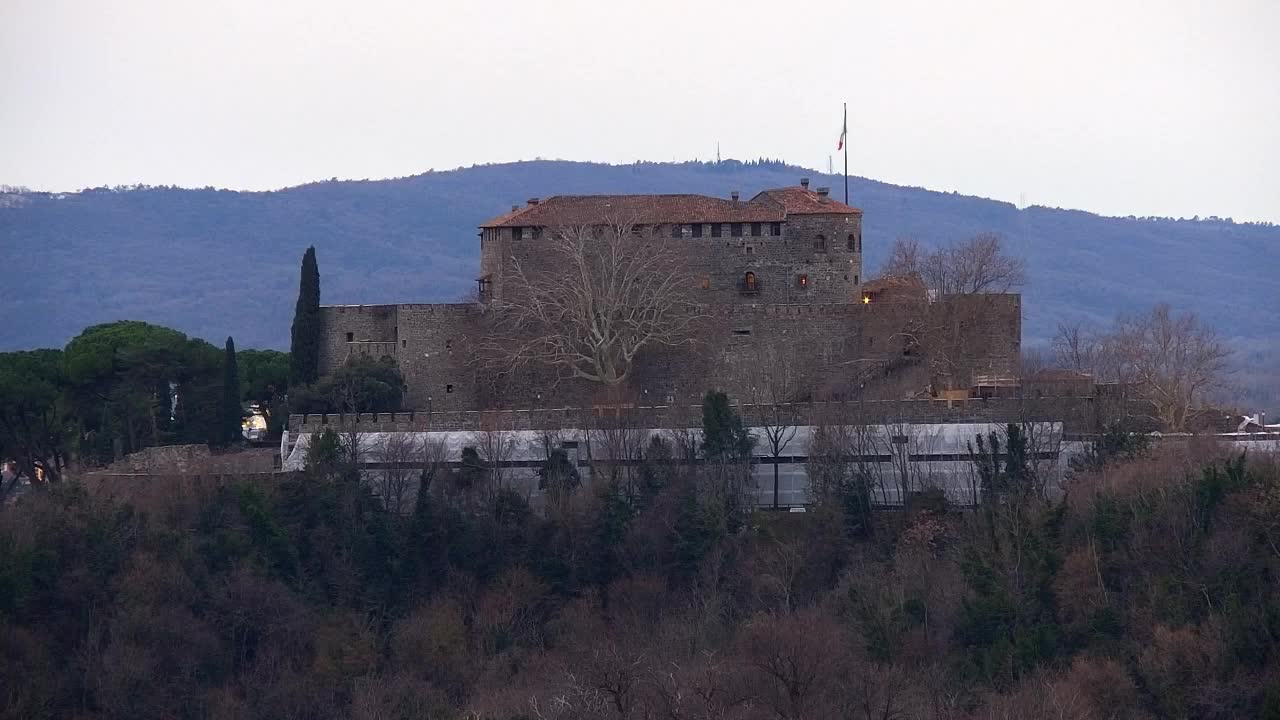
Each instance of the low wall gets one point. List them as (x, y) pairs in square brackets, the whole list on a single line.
[(1074, 412)]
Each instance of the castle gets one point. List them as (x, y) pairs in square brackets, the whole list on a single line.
[(780, 275)]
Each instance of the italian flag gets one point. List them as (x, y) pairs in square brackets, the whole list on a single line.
[(844, 131)]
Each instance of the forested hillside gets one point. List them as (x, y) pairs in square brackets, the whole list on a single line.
[(215, 262), (1148, 591)]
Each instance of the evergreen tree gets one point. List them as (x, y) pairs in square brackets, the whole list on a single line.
[(724, 437), (304, 347), (231, 412)]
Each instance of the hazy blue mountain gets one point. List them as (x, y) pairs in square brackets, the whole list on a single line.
[(215, 263)]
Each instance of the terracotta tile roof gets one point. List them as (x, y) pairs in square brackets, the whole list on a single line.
[(803, 201), (506, 217), (570, 210), (894, 283)]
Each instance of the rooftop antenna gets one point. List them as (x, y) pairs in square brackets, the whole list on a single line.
[(829, 171), (717, 152)]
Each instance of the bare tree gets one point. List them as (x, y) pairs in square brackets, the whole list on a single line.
[(969, 267), (616, 444), (598, 297), (1176, 361), (1173, 360), (496, 445), (905, 258), (435, 453), (777, 386), (401, 456)]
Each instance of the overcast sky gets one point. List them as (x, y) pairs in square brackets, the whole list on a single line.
[(1119, 107)]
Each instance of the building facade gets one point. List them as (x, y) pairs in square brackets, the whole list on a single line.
[(780, 276)]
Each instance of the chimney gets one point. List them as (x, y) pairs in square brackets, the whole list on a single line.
[(515, 208), (734, 195), (534, 201), (824, 191), (804, 183)]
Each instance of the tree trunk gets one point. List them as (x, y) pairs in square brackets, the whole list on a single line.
[(775, 482)]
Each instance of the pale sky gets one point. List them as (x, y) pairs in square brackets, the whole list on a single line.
[(1118, 107)]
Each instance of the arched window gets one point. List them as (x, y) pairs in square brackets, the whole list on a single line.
[(749, 283), (853, 244), (820, 243)]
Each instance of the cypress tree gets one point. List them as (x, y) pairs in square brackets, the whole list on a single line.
[(231, 412), (304, 346)]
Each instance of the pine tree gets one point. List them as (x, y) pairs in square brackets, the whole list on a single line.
[(231, 412), (304, 347)]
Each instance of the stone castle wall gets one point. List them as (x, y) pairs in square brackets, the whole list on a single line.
[(851, 350), (826, 250)]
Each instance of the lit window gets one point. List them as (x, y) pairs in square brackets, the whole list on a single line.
[(448, 388), (802, 281)]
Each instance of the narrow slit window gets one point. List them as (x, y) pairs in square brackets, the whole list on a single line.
[(351, 337)]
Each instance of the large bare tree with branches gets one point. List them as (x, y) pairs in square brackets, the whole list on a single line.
[(1174, 361), (968, 267), (597, 297)]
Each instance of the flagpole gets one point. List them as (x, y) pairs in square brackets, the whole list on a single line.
[(846, 153)]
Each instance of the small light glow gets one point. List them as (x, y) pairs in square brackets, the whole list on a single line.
[(866, 299)]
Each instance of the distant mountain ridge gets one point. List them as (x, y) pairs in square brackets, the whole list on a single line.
[(214, 263)]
